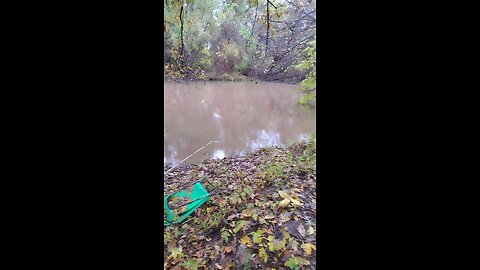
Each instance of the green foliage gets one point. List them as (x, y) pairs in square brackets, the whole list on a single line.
[(230, 77), (292, 263), (274, 171), (243, 66), (309, 84), (308, 98), (216, 37), (191, 264), (307, 160), (231, 51), (257, 236)]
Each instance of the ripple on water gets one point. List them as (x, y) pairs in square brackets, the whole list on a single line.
[(243, 116)]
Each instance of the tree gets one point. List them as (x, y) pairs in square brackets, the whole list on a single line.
[(265, 39)]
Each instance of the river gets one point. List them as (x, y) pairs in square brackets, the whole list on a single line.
[(242, 116)]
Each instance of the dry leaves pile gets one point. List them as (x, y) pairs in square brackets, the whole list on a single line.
[(262, 218)]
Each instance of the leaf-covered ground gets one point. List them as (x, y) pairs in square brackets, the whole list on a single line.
[(263, 216)]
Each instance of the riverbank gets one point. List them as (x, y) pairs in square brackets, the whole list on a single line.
[(263, 215), (234, 77)]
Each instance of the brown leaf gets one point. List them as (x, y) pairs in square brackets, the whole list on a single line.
[(229, 249), (246, 241), (286, 255), (230, 264)]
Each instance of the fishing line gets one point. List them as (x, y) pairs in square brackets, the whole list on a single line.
[(190, 156)]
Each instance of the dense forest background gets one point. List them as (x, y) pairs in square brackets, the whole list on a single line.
[(270, 40)]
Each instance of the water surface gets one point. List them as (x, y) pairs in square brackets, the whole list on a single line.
[(242, 116)]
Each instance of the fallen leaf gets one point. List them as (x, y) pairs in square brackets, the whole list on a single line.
[(246, 213), (294, 244), (284, 218), (292, 263), (240, 225), (224, 219), (191, 264), (297, 203), (284, 203), (176, 252), (262, 221), (284, 194), (229, 249), (276, 245), (246, 241), (301, 229), (286, 255), (307, 247), (303, 261), (263, 254), (225, 236), (257, 236), (230, 264)]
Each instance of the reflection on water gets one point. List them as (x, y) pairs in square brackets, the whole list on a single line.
[(243, 116), (218, 154), (265, 138)]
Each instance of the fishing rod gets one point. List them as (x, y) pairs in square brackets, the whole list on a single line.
[(190, 156)]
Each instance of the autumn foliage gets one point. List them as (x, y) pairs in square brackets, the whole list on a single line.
[(262, 218)]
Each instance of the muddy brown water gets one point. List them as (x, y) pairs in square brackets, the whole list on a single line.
[(242, 116)]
